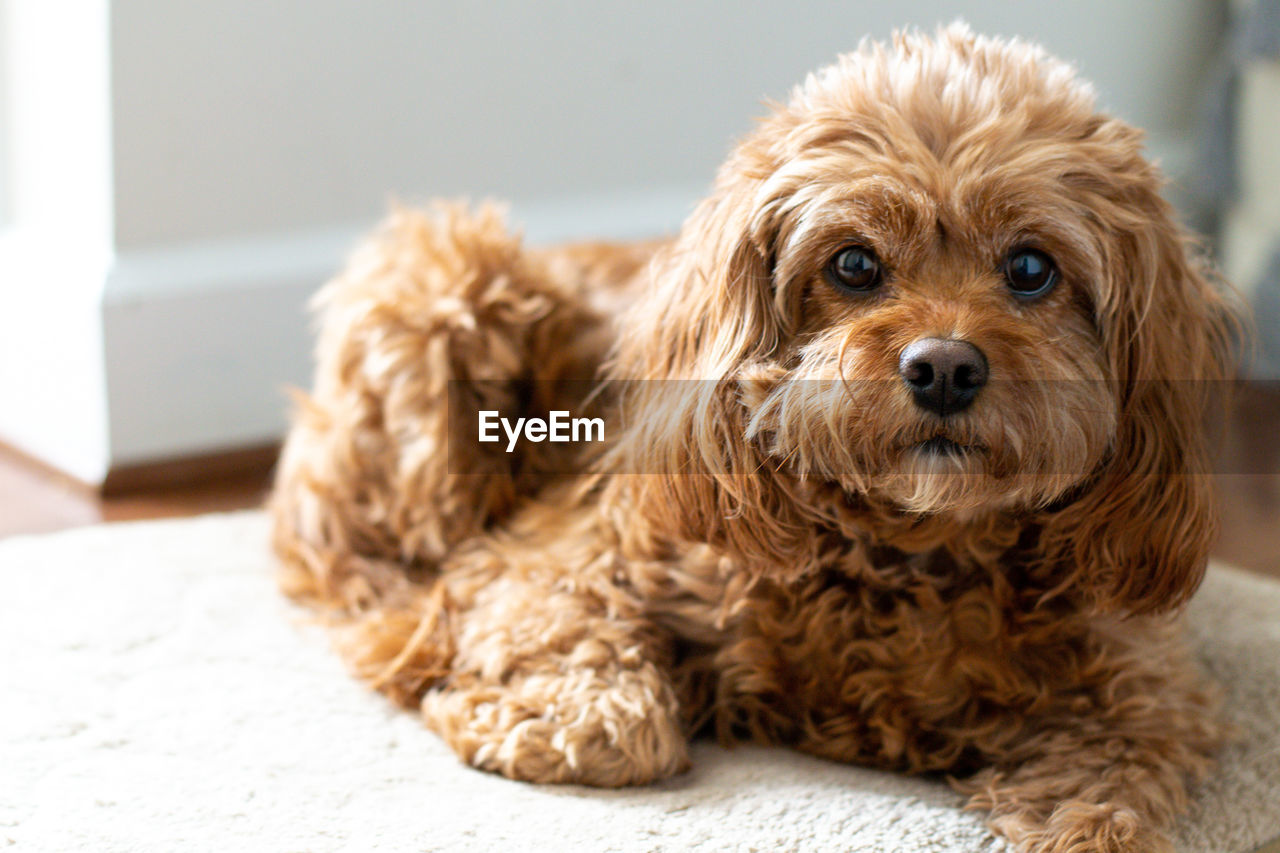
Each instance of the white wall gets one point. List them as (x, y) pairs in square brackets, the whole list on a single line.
[(55, 241), (242, 116), (250, 140)]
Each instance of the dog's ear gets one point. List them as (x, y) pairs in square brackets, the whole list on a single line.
[(1139, 537), (709, 322), (708, 304)]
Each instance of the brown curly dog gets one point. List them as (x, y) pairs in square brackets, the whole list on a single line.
[(903, 462)]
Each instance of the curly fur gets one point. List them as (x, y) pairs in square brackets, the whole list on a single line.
[(762, 551)]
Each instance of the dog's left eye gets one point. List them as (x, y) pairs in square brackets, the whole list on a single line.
[(1030, 273), (855, 268)]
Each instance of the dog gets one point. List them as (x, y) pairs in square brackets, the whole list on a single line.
[(905, 463)]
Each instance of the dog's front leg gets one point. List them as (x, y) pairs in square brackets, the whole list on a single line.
[(1110, 770), (551, 682)]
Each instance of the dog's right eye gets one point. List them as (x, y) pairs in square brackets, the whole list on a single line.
[(1030, 273), (855, 268)]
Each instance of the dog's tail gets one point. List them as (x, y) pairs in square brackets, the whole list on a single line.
[(390, 624), (400, 650)]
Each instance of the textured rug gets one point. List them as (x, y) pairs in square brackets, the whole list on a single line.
[(157, 694)]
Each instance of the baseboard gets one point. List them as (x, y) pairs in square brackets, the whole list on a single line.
[(191, 371), (233, 464)]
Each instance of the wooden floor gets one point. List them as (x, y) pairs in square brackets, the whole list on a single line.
[(35, 500)]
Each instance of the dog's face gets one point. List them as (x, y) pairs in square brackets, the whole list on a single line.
[(942, 351), (941, 284)]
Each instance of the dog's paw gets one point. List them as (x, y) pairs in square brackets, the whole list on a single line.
[(572, 727), (1076, 827)]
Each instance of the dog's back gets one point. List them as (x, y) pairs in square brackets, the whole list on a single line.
[(439, 312)]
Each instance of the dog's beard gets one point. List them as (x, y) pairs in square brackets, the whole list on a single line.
[(1022, 445)]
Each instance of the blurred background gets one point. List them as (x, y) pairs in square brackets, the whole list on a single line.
[(177, 178)]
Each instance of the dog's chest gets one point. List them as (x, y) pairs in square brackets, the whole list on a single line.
[(877, 669)]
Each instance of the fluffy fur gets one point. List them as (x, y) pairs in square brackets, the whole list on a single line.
[(763, 550)]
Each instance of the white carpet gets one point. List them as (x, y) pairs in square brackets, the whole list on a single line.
[(157, 694)]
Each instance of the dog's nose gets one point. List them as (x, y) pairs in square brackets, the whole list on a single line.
[(944, 374)]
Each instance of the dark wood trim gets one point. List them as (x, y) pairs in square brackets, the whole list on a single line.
[(211, 467)]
